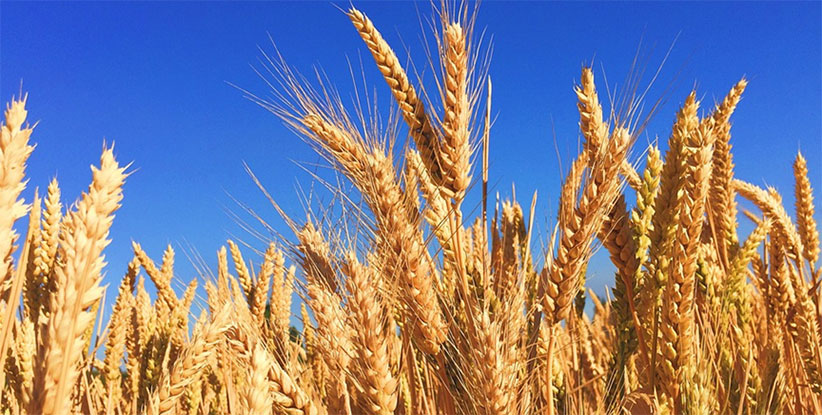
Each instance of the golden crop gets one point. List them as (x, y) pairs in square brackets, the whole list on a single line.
[(415, 309)]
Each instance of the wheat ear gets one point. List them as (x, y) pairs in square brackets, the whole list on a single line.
[(243, 274), (413, 110), (257, 397), (78, 286), (580, 226), (665, 223), (808, 232), (317, 260), (45, 253), (191, 361), (721, 196), (594, 126), (455, 155), (14, 151), (161, 279), (677, 339), (334, 342), (272, 264), (400, 237), (374, 349), (784, 228), (118, 330)]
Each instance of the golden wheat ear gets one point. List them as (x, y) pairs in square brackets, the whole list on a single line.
[(14, 151), (805, 221), (412, 107), (376, 358), (455, 154), (78, 287)]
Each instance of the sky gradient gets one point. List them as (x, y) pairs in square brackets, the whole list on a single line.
[(155, 79)]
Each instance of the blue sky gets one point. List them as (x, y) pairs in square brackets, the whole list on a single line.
[(153, 77)]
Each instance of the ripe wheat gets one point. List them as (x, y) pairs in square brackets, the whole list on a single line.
[(417, 305)]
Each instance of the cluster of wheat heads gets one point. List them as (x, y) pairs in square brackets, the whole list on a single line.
[(416, 311)]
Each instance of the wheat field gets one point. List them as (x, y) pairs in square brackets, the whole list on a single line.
[(413, 302)]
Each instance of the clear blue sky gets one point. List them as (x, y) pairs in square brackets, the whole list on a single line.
[(153, 78)]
